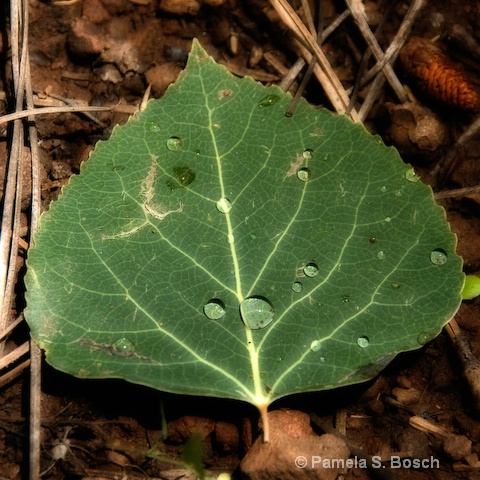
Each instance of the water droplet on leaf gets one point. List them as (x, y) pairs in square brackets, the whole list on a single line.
[(307, 153), (423, 338), (257, 312), (214, 309), (123, 347), (363, 341), (304, 174), (395, 285), (182, 177), (224, 205), (438, 257), (154, 127), (269, 100), (383, 189), (411, 176), (311, 270), (381, 255), (297, 287), (316, 345), (174, 144), (388, 219)]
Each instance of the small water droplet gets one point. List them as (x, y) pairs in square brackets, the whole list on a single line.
[(174, 144), (297, 287), (345, 298), (322, 359), (423, 338), (395, 285), (383, 189), (224, 205), (316, 345), (214, 309), (398, 193), (411, 176), (381, 255), (304, 174), (308, 153), (388, 219), (123, 347), (197, 152), (182, 177), (257, 312), (438, 257), (311, 270), (154, 127), (269, 100), (363, 341)]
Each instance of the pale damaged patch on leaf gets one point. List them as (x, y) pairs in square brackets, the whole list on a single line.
[(294, 166)]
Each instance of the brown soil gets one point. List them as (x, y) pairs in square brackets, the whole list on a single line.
[(105, 52)]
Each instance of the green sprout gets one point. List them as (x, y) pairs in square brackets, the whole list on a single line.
[(471, 288)]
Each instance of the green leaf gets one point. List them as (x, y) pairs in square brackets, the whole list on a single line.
[(215, 246)]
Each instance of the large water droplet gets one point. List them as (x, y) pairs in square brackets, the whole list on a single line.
[(381, 255), (304, 174), (311, 270), (174, 144), (307, 153), (123, 347), (257, 312), (214, 309), (224, 205), (438, 257), (363, 341), (182, 177), (269, 100), (316, 345), (297, 287), (411, 176)]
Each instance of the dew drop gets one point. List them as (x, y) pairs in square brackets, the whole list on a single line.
[(395, 285), (363, 341), (381, 255), (307, 153), (297, 287), (311, 270), (438, 257), (304, 174), (224, 205), (123, 347), (411, 176), (316, 345), (322, 359), (269, 100), (383, 189), (256, 312), (154, 127), (182, 177), (423, 338), (388, 219), (345, 298), (174, 144), (214, 309)]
